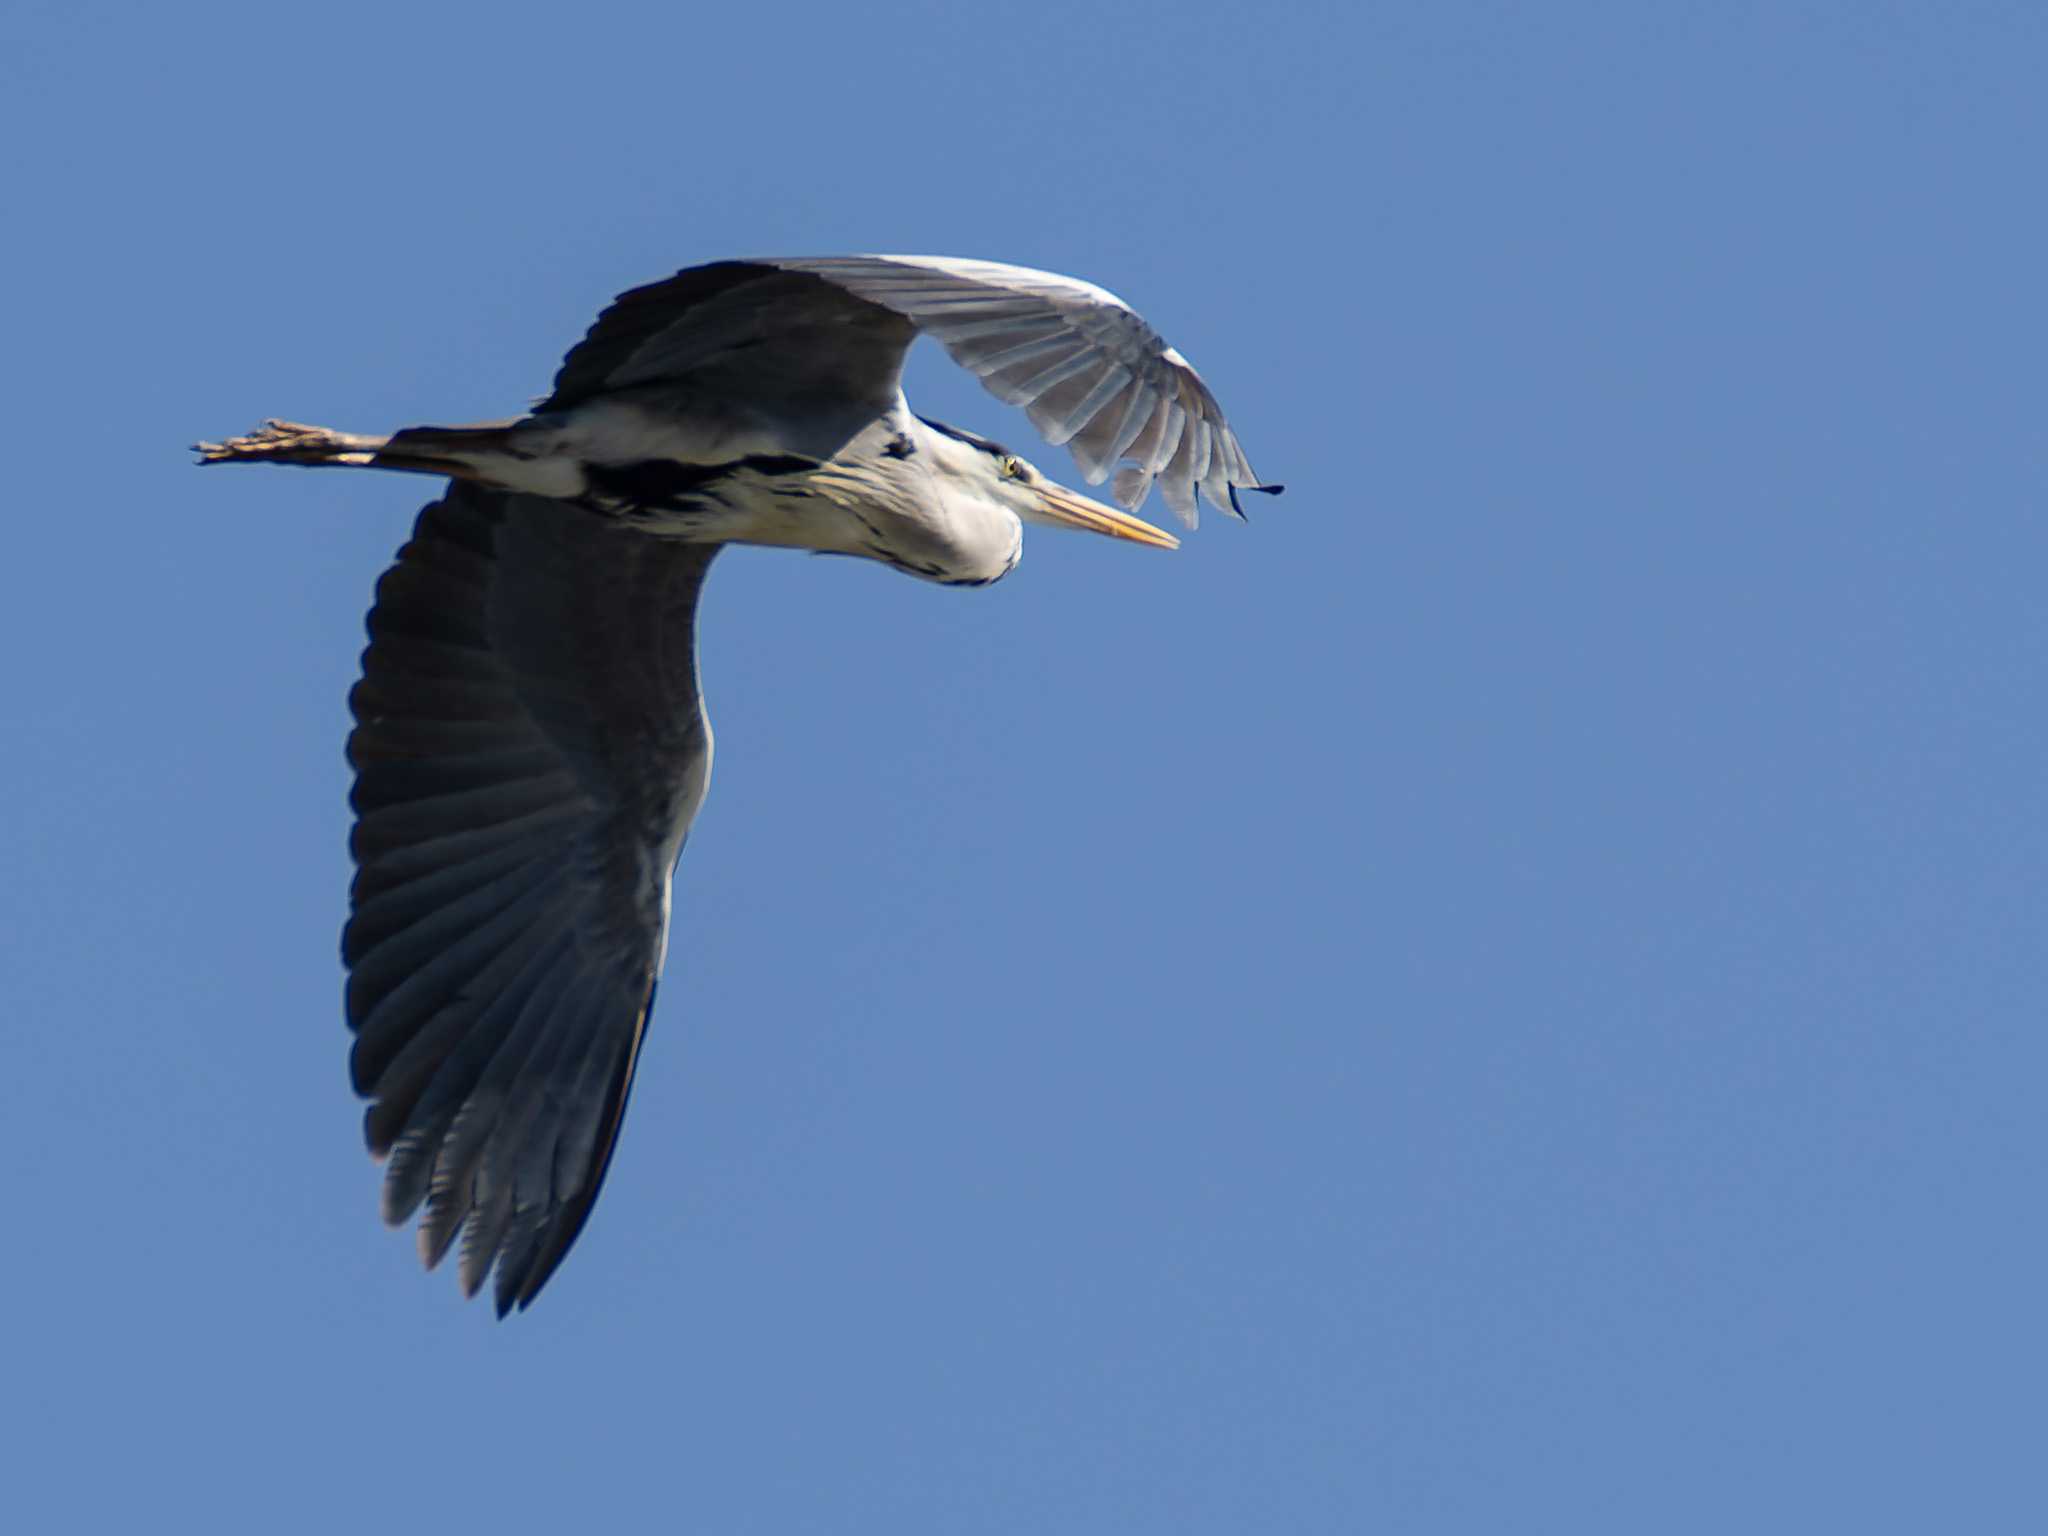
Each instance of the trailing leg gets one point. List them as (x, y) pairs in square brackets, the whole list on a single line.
[(516, 455), (292, 442)]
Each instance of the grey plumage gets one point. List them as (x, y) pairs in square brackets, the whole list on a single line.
[(531, 745)]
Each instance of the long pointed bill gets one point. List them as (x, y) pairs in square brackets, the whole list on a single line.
[(1067, 509)]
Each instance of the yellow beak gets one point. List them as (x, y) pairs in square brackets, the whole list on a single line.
[(1067, 509)]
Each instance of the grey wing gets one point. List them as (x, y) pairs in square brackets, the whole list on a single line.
[(816, 344), (530, 749), (1086, 368)]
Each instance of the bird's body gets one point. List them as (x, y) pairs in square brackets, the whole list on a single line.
[(637, 459), (531, 746)]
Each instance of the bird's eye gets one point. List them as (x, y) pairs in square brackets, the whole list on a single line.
[(1013, 468)]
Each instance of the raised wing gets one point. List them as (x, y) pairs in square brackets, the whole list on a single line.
[(530, 749), (1088, 370), (814, 333)]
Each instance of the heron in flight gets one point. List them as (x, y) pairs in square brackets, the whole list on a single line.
[(530, 744)]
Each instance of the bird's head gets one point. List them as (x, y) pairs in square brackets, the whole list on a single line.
[(974, 466)]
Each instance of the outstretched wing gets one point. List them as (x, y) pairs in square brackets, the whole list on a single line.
[(803, 335), (530, 749)]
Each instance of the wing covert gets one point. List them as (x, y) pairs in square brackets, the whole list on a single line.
[(745, 343)]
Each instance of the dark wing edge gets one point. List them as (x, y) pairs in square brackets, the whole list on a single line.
[(529, 750), (635, 318), (751, 343)]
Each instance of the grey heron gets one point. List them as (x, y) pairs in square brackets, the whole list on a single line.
[(530, 744)]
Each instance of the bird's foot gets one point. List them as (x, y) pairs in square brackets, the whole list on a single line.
[(291, 442)]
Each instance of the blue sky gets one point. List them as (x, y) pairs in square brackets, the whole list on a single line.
[(1504, 995)]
